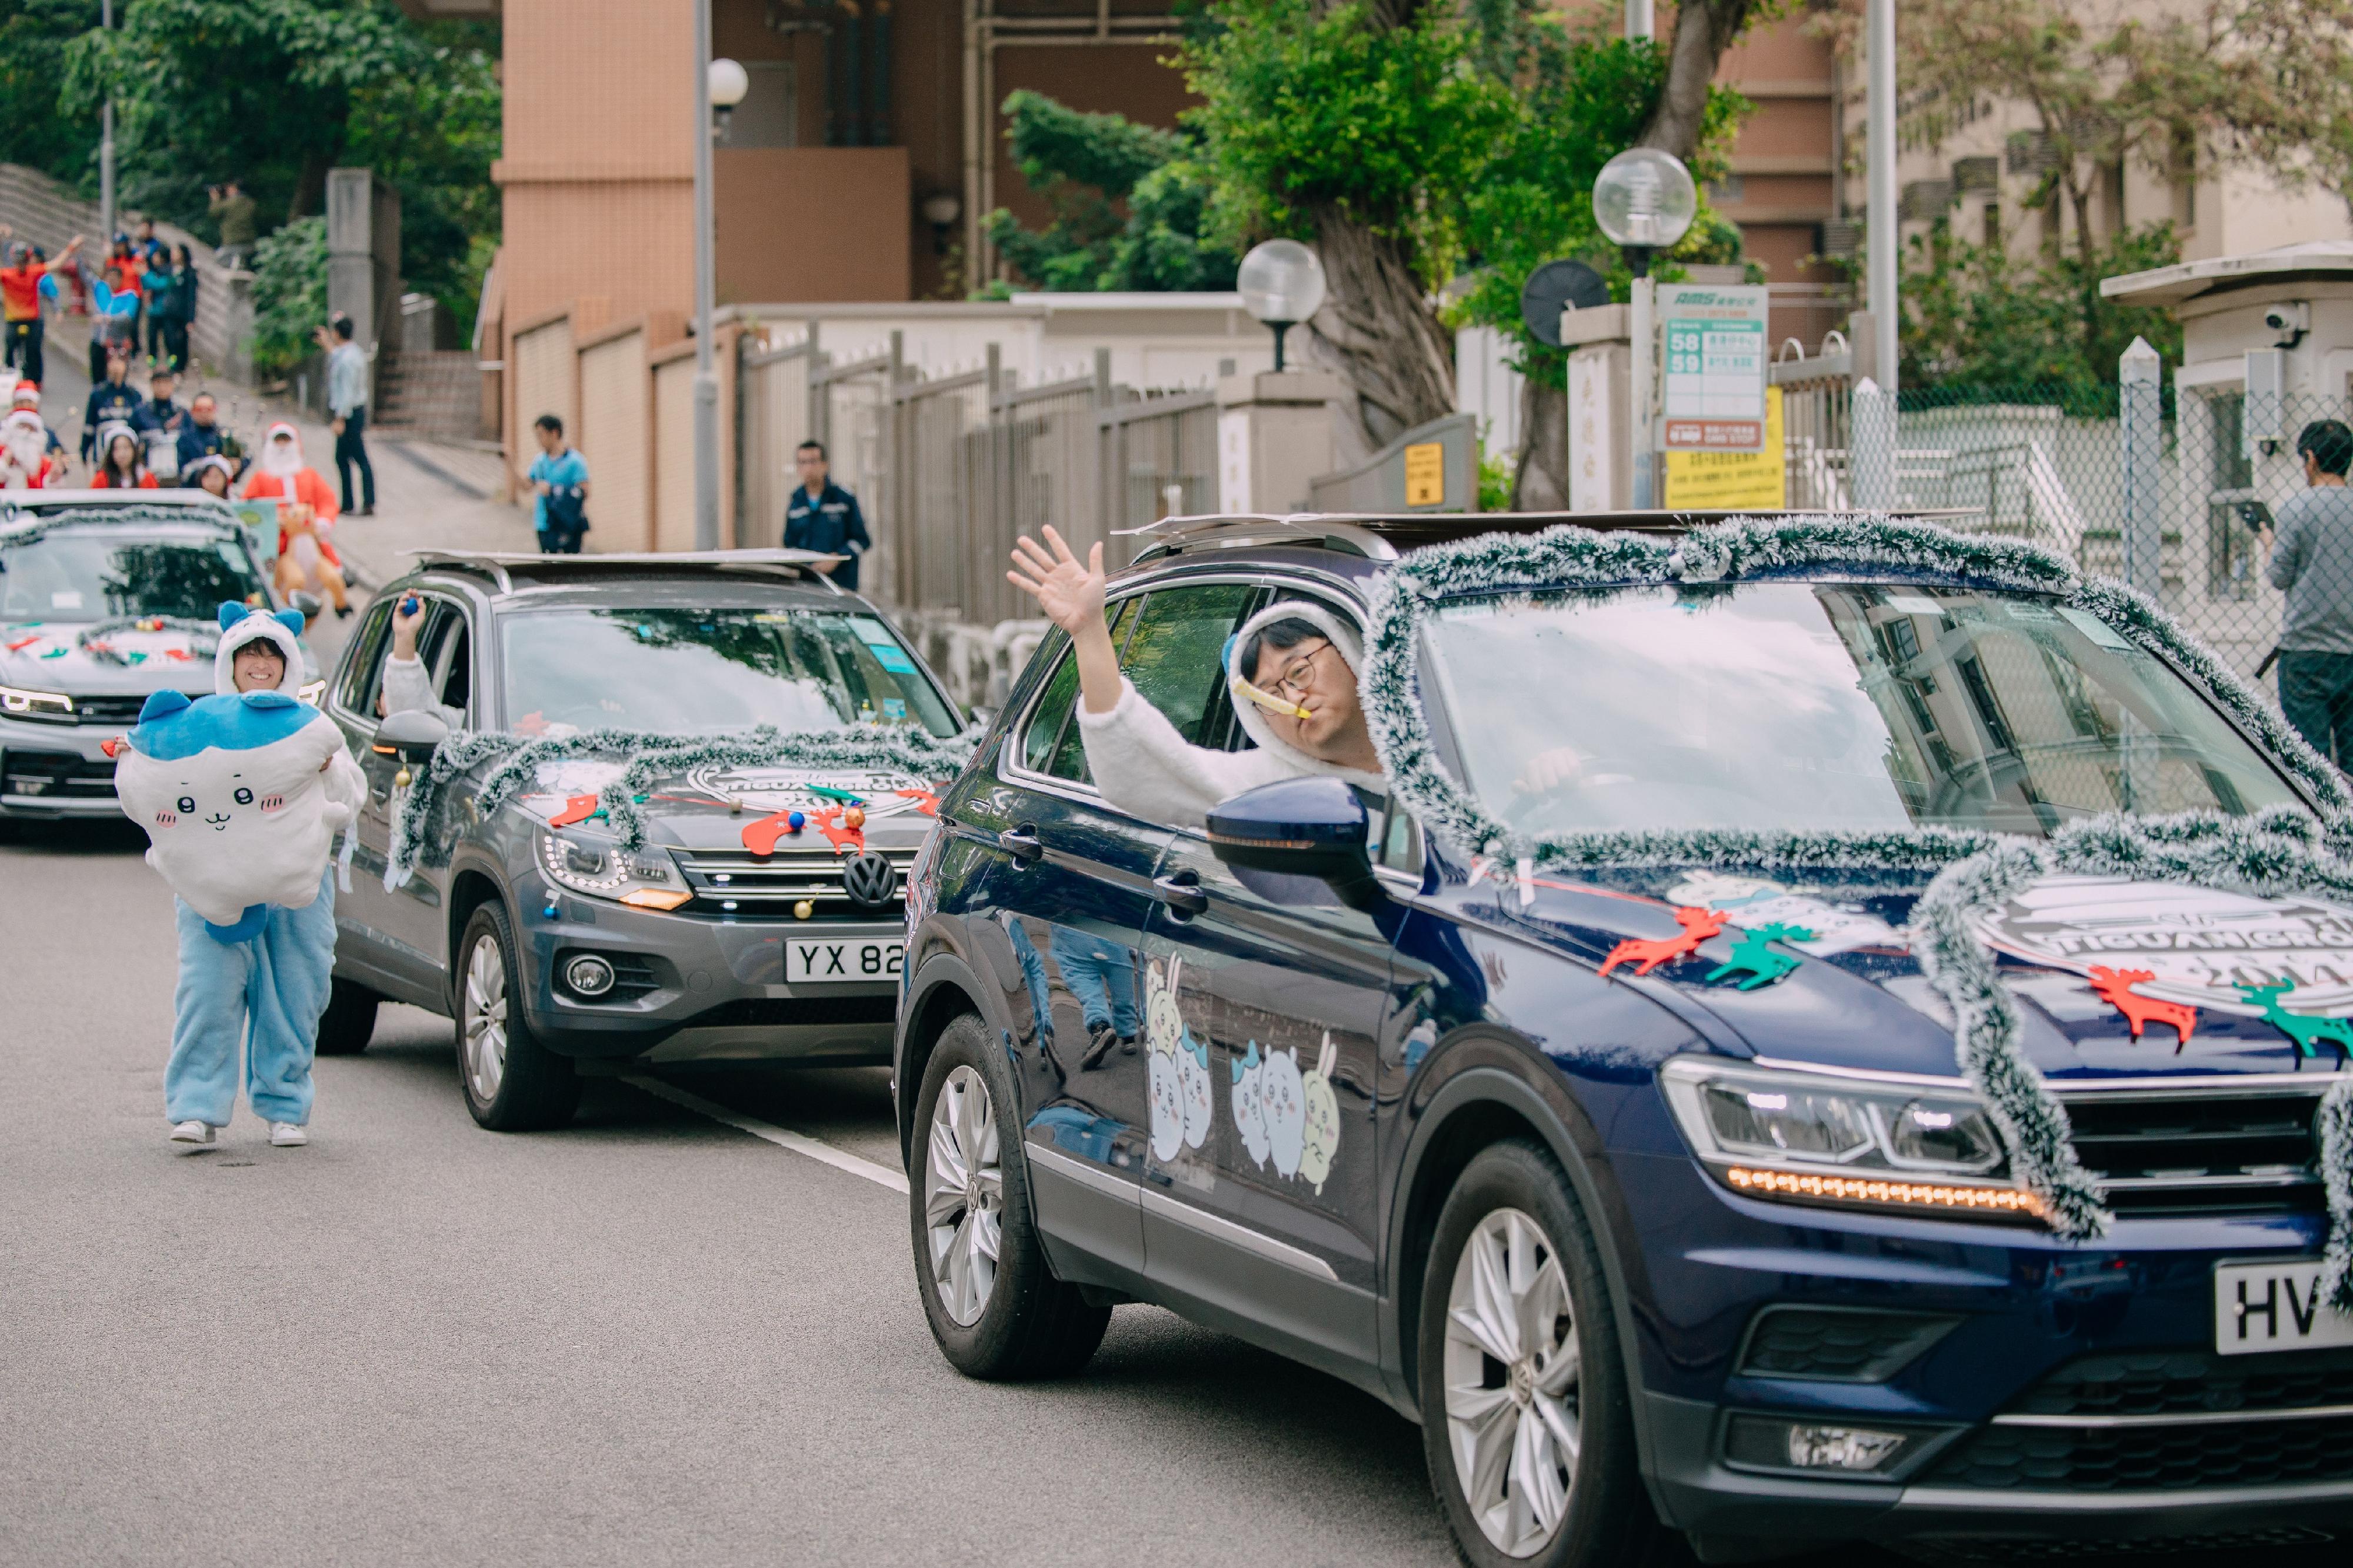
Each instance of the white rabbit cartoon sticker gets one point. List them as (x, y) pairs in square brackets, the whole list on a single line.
[(1322, 1139), (1180, 1066), (1250, 1103), (1285, 1110)]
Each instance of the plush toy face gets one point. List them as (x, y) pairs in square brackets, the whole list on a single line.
[(230, 793)]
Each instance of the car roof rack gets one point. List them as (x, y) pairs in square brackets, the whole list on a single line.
[(502, 566), (1384, 536)]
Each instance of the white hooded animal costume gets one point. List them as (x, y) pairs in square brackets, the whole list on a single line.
[(1146, 768), (240, 794)]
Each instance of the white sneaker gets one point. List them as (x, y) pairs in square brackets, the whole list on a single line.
[(200, 1134), (287, 1135)]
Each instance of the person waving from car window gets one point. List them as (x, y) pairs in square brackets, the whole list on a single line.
[(1295, 693), (407, 688)]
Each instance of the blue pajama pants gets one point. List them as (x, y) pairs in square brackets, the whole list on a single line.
[(265, 992)]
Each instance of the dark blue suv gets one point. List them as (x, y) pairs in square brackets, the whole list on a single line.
[(1647, 1182)]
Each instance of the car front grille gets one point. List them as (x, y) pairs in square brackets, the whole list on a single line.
[(115, 709), (768, 1012), (2163, 1420), (769, 884), (2026, 1549), (56, 776), (2201, 1149)]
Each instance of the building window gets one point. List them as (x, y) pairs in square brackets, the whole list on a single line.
[(770, 114), (1989, 224)]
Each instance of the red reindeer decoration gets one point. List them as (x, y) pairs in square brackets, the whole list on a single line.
[(1646, 955), (2115, 988)]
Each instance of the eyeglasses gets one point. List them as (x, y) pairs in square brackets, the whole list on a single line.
[(1293, 681)]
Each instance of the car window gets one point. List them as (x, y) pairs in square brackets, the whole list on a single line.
[(68, 575), (1042, 750), (1398, 847), (357, 693), (456, 685)]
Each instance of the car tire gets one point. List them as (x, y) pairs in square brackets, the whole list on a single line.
[(511, 1083), (1006, 1318), (349, 1022), (1481, 1415)]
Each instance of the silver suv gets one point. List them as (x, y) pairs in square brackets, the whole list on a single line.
[(555, 950)]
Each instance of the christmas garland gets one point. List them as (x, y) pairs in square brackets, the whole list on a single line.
[(203, 636), (646, 758), (2280, 850)]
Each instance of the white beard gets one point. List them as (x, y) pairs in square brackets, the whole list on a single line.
[(280, 467), (24, 453)]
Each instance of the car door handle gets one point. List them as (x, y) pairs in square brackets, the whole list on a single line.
[(1021, 842), (1182, 892)]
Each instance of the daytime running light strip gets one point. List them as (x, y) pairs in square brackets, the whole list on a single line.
[(1855, 1189)]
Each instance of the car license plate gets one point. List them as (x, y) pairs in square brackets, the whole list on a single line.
[(2275, 1306), (822, 960)]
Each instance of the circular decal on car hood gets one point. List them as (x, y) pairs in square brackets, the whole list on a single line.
[(2202, 946), (789, 789)]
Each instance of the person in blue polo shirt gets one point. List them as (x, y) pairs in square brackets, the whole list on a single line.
[(560, 476), (823, 516)]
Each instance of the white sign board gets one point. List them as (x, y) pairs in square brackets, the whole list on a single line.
[(1592, 433), (1713, 391)]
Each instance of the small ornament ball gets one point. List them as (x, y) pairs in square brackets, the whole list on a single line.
[(796, 822), (803, 910), (853, 816), (400, 779)]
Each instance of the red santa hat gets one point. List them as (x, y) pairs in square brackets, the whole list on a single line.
[(23, 419), (26, 395)]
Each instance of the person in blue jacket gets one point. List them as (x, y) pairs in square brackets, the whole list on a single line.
[(823, 516)]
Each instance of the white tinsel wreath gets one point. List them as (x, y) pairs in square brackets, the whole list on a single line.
[(2274, 852)]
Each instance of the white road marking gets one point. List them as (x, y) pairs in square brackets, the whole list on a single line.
[(784, 1138)]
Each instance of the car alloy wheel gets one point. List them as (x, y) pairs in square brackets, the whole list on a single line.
[(1513, 1418), (486, 1017), (963, 1197)]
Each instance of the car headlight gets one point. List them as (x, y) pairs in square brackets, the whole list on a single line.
[(312, 691), (644, 879), (1818, 1137), (19, 704)]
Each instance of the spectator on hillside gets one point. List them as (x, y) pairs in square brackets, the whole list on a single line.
[(201, 436), (823, 516), (560, 476), (121, 464), (347, 395), (111, 333), (111, 401), (20, 302), (2312, 559), (159, 422), (232, 209), (171, 307)]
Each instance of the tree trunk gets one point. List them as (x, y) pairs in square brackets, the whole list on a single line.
[(1703, 30), (1542, 483), (1378, 330)]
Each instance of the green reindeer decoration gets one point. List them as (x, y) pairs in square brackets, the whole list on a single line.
[(1753, 955), (2301, 1027)]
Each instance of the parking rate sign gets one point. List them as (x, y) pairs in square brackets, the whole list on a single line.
[(1713, 393)]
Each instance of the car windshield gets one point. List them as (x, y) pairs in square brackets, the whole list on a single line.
[(96, 574), (1797, 705), (691, 671)]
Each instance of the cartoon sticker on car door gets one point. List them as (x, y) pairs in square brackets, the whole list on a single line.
[(1181, 1103), (1249, 1104)]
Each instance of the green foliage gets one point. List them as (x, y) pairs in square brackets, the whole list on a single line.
[(289, 295), (34, 129), (1126, 204), (1979, 319), (434, 135), (1497, 476)]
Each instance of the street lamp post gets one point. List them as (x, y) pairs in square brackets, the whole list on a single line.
[(713, 80), (1644, 201), (106, 146), (1282, 284)]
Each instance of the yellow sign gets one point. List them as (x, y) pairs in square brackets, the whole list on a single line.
[(1730, 480), (1425, 475)]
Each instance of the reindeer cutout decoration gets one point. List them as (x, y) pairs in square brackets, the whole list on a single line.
[(2115, 988), (1647, 954)]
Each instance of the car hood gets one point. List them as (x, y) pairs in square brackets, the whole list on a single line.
[(720, 809), (1856, 998), (112, 658)]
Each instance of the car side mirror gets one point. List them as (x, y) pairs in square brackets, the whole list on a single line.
[(411, 735), (304, 603), (1312, 826)]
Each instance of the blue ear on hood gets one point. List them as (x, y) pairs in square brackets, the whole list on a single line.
[(162, 705), (291, 619), (231, 611), (1226, 656)]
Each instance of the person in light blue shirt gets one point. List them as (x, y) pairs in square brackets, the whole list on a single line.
[(347, 395), (560, 475)]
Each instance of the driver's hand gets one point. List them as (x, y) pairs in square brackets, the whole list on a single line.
[(1549, 770), (1068, 592)]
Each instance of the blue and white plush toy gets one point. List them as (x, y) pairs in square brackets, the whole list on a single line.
[(241, 794)]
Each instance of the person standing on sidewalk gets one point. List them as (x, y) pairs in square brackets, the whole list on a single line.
[(347, 392), (20, 301), (560, 476), (232, 209), (2311, 559), (825, 517)]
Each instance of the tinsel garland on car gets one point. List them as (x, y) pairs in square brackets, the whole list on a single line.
[(419, 836), (2275, 852)]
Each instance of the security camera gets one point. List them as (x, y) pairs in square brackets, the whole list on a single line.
[(2287, 322)]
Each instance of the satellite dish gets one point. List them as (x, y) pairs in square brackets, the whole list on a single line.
[(1555, 286)]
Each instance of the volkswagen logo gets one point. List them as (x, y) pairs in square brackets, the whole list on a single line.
[(870, 880)]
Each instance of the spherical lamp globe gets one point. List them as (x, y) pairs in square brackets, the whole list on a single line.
[(1282, 284), (1644, 199)]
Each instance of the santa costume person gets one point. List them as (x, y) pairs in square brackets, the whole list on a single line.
[(28, 398), (25, 460), (306, 513)]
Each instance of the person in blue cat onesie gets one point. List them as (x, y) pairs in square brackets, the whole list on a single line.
[(241, 794)]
